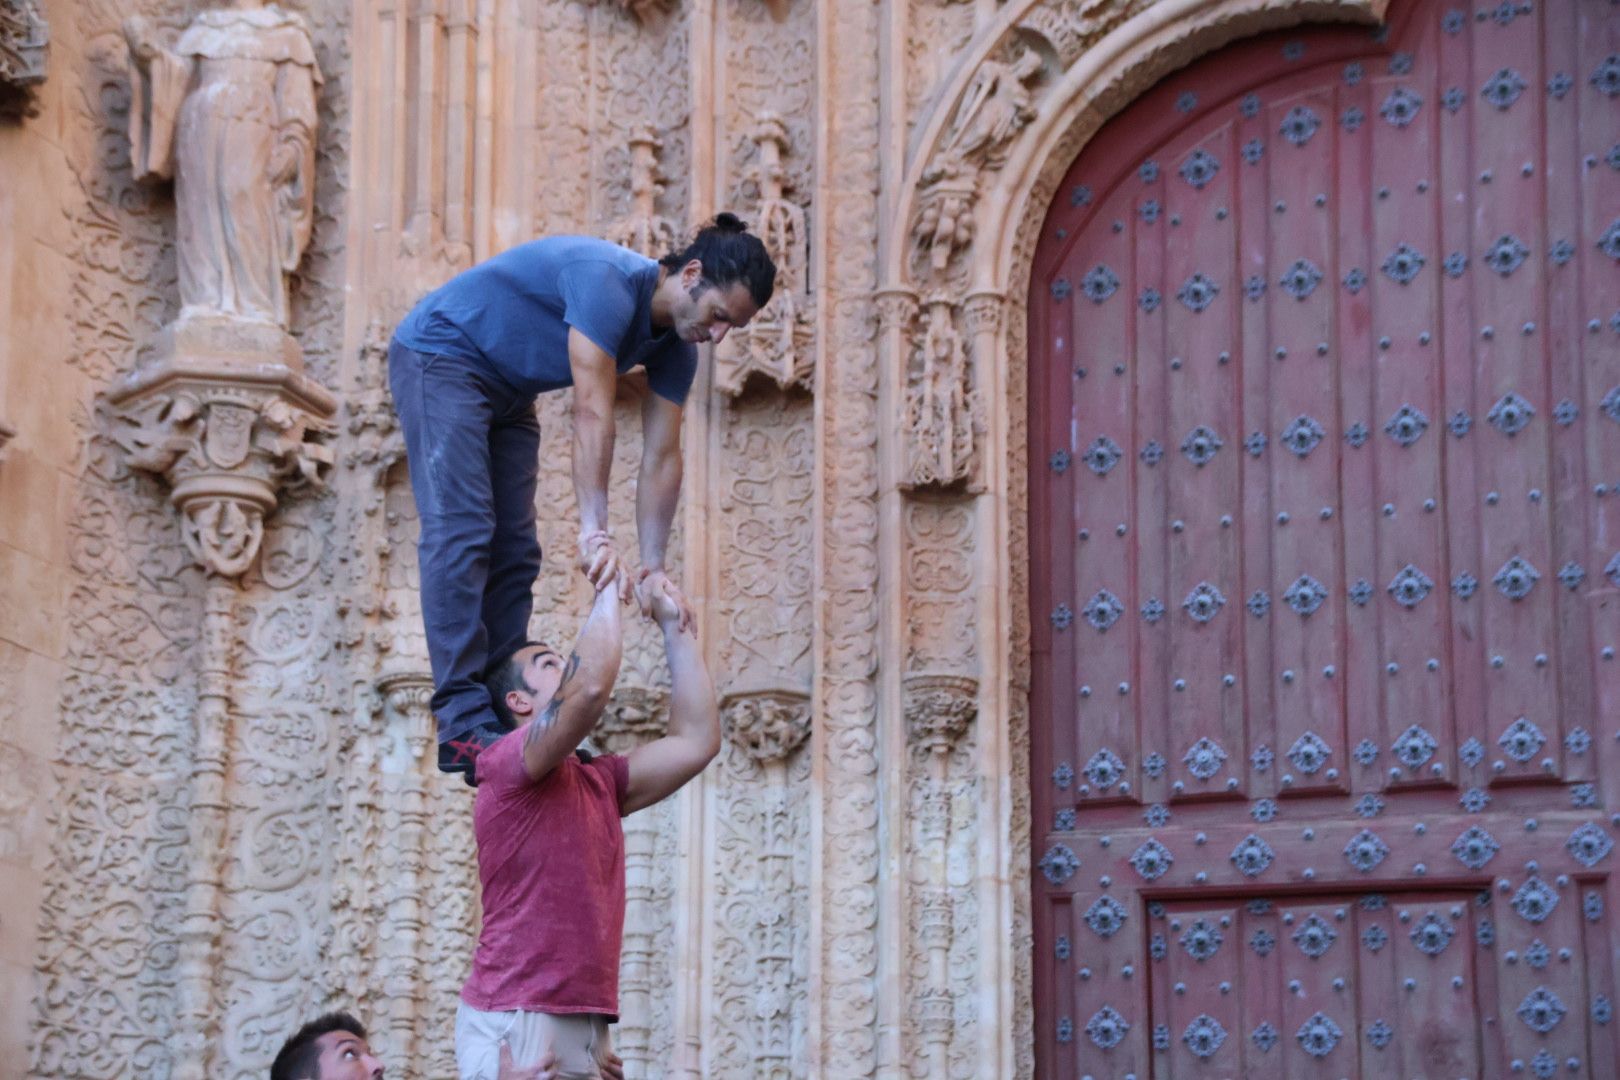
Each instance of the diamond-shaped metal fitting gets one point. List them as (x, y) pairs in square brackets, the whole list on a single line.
[(1506, 255), (1356, 435), (1431, 934), (1571, 574), (1609, 242), (1414, 746), (1198, 292), (1541, 1010), (1061, 289), (1154, 765), (1309, 753), (1611, 404), (1403, 264), (1063, 949), (1369, 806), (1062, 617), (1602, 1009), (1103, 611), (1305, 595), (1300, 279), (1503, 88), (1263, 810), (1157, 816), (1410, 586), (1204, 758), (1401, 107), (1059, 461), (1359, 592), (1065, 1030), (1566, 412), (1201, 445), (1318, 1035), (1535, 900), (1606, 77), (1107, 1028), (1366, 850), (1152, 609), (1259, 603), (1464, 585), (1204, 1036), (1202, 940), (1516, 578), (1511, 414), (1200, 168), (1407, 425), (1059, 863), (1365, 753), (1063, 775), (1105, 769), (1314, 936), (1204, 602), (1099, 284), (1255, 443), (1374, 938), (1105, 916), (1475, 847), (1460, 423), (1612, 569), (1355, 279), (1299, 125), (1262, 942), (1152, 453), (1589, 845), (1522, 740), (1379, 1033), (1302, 435), (1252, 856), (1152, 860), (1149, 299), (1264, 1037), (1102, 455)]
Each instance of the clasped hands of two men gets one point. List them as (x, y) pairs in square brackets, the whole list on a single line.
[(603, 567)]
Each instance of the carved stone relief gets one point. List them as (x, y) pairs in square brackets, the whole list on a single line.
[(25, 39)]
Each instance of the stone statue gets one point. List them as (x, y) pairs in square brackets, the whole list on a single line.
[(997, 104), (229, 112)]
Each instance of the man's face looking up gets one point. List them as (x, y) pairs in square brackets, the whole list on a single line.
[(345, 1056)]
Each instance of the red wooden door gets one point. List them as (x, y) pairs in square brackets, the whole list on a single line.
[(1326, 583)]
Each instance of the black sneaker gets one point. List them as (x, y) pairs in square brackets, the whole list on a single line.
[(460, 754)]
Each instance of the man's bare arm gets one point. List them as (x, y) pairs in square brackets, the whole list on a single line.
[(582, 695), (595, 383), (658, 487), (660, 767)]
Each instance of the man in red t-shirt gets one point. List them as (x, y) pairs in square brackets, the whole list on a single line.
[(551, 849)]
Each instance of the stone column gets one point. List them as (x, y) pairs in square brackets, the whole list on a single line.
[(938, 710), (768, 726), (635, 716), (408, 732)]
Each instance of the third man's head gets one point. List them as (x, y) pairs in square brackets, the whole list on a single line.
[(521, 685)]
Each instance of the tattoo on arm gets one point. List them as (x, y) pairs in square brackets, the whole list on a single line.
[(548, 716)]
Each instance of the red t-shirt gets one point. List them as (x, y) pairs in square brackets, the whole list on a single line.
[(551, 863)]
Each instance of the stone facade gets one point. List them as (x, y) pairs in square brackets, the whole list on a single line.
[(218, 811)]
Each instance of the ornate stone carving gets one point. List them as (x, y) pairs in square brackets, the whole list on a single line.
[(939, 708), (779, 343), (228, 438), (645, 230), (767, 724), (230, 114), (942, 419), (24, 47)]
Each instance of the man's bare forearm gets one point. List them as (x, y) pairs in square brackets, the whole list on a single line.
[(583, 692), (593, 462), (694, 716), (658, 492)]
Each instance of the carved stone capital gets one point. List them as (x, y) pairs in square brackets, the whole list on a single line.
[(939, 708), (230, 431), (24, 48), (897, 309), (766, 724), (635, 715), (982, 313), (407, 700)]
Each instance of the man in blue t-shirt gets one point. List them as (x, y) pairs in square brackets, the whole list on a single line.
[(464, 368)]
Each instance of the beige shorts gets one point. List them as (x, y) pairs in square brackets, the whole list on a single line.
[(580, 1041)]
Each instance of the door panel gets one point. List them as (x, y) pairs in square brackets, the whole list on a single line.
[(1326, 558)]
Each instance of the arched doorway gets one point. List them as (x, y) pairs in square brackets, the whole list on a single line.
[(1325, 519)]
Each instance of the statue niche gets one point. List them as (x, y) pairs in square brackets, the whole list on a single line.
[(229, 114)]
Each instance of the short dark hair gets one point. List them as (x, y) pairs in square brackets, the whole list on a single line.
[(504, 676), (300, 1058), (729, 254)]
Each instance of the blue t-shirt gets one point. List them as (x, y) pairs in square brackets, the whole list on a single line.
[(512, 313)]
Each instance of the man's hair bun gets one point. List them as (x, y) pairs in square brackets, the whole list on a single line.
[(728, 222)]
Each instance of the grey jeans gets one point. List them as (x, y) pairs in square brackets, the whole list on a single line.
[(472, 444)]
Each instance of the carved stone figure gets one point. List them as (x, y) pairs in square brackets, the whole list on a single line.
[(229, 113), (24, 44), (942, 411), (997, 104), (644, 229), (778, 343)]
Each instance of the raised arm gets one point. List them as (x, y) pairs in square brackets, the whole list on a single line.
[(660, 767), (595, 383), (582, 695)]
